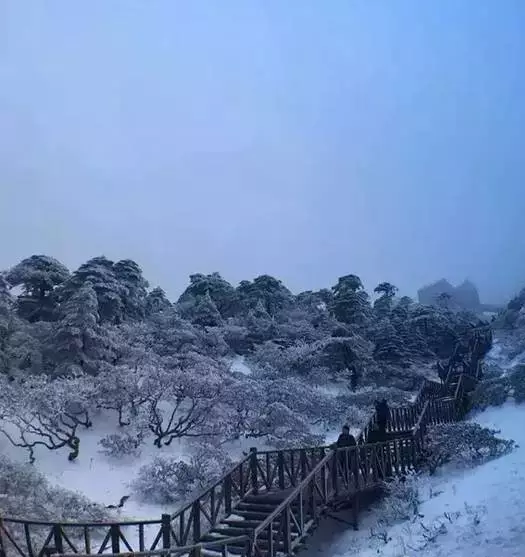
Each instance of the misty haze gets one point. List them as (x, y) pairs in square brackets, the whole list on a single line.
[(262, 278)]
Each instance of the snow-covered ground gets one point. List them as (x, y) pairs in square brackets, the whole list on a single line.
[(239, 365), (477, 513), (104, 480)]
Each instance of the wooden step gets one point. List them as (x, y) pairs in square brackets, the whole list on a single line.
[(234, 531), (212, 552), (230, 531), (271, 498), (218, 533), (252, 524), (252, 515), (261, 544), (267, 508)]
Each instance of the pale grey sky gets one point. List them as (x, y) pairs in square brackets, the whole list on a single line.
[(302, 139)]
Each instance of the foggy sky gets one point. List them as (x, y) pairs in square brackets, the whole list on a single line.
[(303, 139)]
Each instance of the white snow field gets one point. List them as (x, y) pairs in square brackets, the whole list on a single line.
[(103, 479)]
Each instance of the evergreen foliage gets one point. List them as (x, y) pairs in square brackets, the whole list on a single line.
[(100, 339)]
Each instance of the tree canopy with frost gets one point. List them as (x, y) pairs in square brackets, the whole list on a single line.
[(97, 345)]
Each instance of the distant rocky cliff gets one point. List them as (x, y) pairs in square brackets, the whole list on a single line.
[(464, 296)]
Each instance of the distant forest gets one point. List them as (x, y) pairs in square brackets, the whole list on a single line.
[(99, 339)]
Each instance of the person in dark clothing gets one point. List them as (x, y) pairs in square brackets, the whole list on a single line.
[(376, 435), (383, 415), (345, 439)]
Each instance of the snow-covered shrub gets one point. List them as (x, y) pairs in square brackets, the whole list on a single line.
[(380, 532), (180, 400), (280, 411), (169, 480), (236, 337), (464, 445), (119, 388), (354, 417), (517, 383), (281, 427), (117, 445), (25, 493), (403, 499), (275, 360), (365, 399), (301, 398), (491, 370), (490, 392)]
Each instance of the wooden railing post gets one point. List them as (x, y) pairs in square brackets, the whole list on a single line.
[(303, 464), (338, 458), (115, 538), (196, 514), (58, 539), (287, 532), (166, 531), (280, 469), (253, 470), (228, 494)]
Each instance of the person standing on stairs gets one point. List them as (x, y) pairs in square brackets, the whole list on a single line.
[(375, 435), (345, 439)]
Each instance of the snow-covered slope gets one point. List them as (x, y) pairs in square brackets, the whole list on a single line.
[(102, 479), (478, 513)]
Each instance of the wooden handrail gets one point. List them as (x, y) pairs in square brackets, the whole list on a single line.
[(187, 549), (271, 517), (204, 493), (419, 422), (80, 524)]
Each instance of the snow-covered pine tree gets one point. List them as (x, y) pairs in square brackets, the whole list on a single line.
[(384, 303), (38, 276), (100, 273), (221, 292), (204, 312), (389, 345), (268, 290), (129, 275), (156, 302), (78, 343), (350, 302)]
